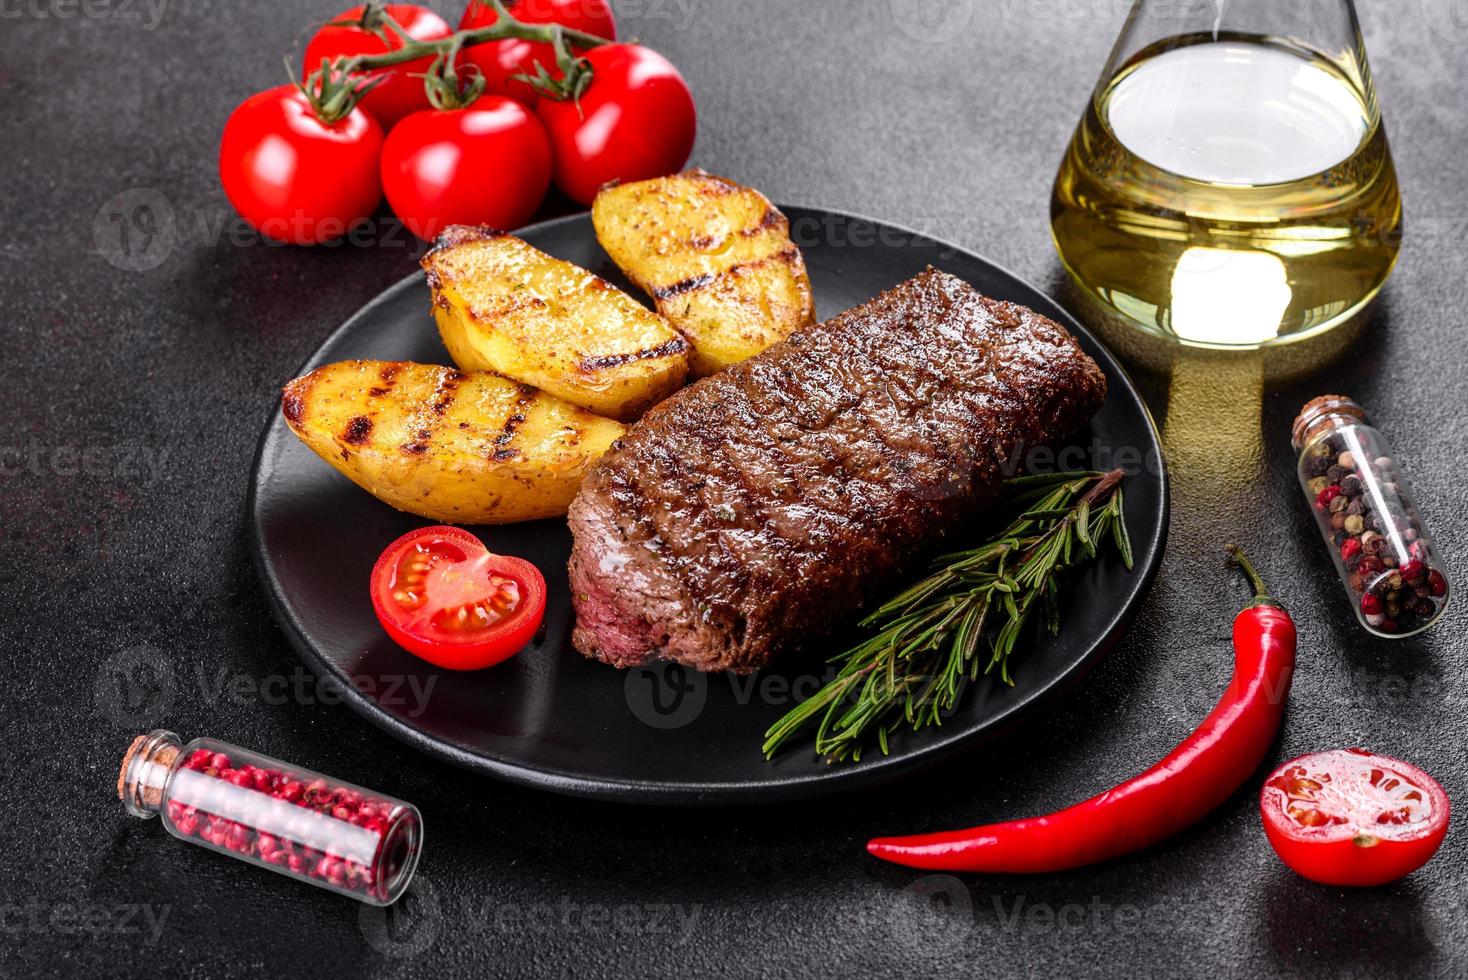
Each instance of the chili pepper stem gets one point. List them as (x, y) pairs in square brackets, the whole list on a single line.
[(1256, 581)]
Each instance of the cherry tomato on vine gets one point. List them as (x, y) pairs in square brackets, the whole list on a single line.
[(400, 92), (442, 596), (488, 164), (636, 120), (500, 61), (293, 177), (1351, 817)]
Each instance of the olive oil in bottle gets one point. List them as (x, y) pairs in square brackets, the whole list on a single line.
[(1229, 191)]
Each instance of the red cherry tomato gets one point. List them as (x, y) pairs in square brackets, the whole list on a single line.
[(635, 121), (489, 164), (442, 596), (293, 177), (500, 61), (400, 93), (1351, 817)]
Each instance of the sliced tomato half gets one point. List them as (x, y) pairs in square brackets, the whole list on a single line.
[(1351, 817), (440, 594)]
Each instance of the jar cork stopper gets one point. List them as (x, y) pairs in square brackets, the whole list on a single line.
[(145, 767), (1320, 414)]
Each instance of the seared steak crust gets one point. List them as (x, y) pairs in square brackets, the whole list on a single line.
[(761, 506)]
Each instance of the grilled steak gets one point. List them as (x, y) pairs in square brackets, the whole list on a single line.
[(759, 507)]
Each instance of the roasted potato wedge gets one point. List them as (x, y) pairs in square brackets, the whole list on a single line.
[(716, 257), (453, 447), (504, 306)]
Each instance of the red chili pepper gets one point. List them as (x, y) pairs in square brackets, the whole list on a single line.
[(1195, 778)]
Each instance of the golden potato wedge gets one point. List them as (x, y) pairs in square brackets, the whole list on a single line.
[(716, 257), (503, 305), (454, 447)]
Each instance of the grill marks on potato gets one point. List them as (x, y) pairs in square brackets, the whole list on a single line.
[(504, 306), (431, 419), (292, 406), (294, 397), (448, 388), (787, 257), (358, 430), (448, 445), (667, 348), (716, 258), (686, 286), (503, 451)]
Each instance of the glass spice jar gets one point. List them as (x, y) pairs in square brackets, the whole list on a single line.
[(320, 830), (1361, 503)]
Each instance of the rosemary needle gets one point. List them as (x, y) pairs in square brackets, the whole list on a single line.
[(925, 644)]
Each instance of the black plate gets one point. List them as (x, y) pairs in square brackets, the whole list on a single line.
[(552, 719)]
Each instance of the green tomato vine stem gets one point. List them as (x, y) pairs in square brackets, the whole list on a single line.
[(337, 86)]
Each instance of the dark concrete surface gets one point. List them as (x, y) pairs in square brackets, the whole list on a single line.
[(133, 399)]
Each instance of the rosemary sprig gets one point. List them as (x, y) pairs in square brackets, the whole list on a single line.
[(912, 671)]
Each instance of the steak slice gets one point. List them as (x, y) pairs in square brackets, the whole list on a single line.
[(761, 506)]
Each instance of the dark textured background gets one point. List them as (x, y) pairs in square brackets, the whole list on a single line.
[(138, 396)]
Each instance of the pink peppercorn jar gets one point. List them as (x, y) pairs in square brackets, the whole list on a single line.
[(1363, 508), (320, 830)]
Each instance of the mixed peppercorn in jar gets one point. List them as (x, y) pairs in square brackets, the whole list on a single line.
[(1364, 510)]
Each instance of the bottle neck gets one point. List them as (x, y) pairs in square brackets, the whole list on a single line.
[(1323, 415), (145, 770)]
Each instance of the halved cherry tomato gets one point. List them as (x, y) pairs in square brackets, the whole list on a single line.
[(401, 90), (500, 61), (1351, 817), (441, 595)]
